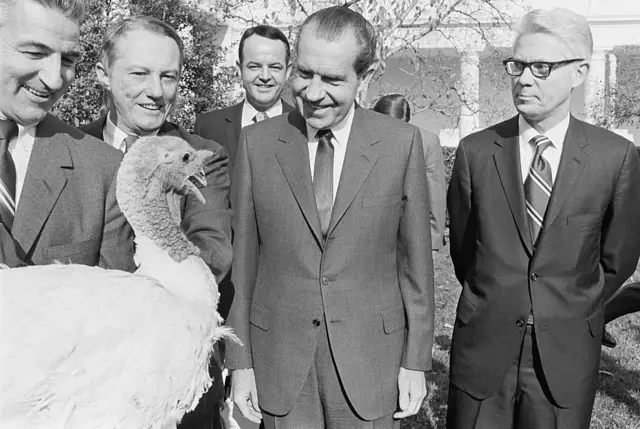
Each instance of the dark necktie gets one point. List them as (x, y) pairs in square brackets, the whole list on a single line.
[(538, 186), (8, 130), (129, 141), (323, 178), (260, 116)]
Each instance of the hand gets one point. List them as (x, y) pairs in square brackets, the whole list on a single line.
[(245, 394), (412, 387)]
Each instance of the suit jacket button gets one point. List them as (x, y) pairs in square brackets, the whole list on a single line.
[(316, 322), (533, 277), (519, 323), (325, 281)]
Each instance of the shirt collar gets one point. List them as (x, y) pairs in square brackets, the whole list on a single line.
[(556, 134), (112, 134), (248, 111), (341, 130), (23, 130)]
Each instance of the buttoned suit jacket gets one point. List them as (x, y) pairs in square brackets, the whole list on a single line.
[(67, 210), (587, 248), (224, 125), (371, 280)]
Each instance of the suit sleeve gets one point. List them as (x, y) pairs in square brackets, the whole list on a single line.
[(197, 129), (620, 246), (461, 225), (245, 258), (434, 163), (415, 263), (116, 250), (208, 225)]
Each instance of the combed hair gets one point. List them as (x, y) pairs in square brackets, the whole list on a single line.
[(394, 105), (568, 26), (268, 32), (120, 29), (70, 8), (330, 23)]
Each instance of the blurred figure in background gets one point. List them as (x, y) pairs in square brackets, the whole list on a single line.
[(396, 106)]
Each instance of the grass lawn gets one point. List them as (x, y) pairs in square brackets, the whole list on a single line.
[(617, 404)]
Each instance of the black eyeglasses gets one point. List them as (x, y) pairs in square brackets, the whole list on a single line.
[(540, 69)]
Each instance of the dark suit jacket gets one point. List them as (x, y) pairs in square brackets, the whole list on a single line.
[(587, 248), (436, 181), (67, 211), (223, 126), (372, 280), (207, 226)]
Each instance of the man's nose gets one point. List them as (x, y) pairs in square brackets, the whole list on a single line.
[(51, 73)]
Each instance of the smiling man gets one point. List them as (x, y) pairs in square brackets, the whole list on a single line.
[(57, 185), (545, 216), (139, 70), (264, 66), (332, 254)]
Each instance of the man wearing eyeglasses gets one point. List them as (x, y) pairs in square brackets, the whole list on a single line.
[(545, 215)]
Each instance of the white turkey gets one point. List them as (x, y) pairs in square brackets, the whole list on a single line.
[(88, 348)]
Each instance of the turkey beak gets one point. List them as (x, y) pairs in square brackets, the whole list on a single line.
[(193, 189)]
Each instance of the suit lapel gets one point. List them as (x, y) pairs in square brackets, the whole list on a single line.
[(569, 170), (233, 125), (293, 156), (507, 161), (358, 162), (49, 167)]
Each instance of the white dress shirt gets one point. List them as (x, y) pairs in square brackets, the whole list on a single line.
[(551, 154), (340, 138), (114, 135), (249, 112), (20, 149)]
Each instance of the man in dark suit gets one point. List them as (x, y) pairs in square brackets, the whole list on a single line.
[(57, 185), (625, 301), (264, 66), (139, 70), (545, 215), (332, 254)]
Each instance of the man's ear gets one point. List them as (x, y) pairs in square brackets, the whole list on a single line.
[(103, 77), (580, 74), (239, 68), (365, 78), (289, 70)]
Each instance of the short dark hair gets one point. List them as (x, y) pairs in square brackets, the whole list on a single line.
[(394, 105), (330, 23), (266, 31)]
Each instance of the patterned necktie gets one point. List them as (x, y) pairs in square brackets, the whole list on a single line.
[(128, 141), (538, 186), (323, 178), (260, 116), (8, 130)]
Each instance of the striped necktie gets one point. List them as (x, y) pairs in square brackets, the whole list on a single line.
[(128, 141), (260, 116), (8, 130), (323, 178), (538, 186)]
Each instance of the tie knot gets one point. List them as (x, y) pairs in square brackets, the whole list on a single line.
[(8, 130), (325, 135), (260, 116), (540, 143)]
